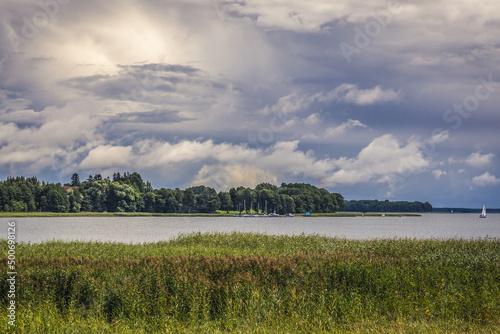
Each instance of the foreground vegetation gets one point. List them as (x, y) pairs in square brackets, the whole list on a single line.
[(254, 283)]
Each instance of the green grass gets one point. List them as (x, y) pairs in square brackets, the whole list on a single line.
[(254, 283)]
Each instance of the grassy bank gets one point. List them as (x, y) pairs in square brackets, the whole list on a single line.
[(217, 214), (257, 283)]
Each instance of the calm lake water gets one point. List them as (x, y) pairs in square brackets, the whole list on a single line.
[(152, 229)]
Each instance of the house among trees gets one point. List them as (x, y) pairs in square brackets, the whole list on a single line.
[(68, 189)]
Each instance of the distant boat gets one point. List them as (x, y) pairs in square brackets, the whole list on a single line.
[(483, 214), (289, 215)]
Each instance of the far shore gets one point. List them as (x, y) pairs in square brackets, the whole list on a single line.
[(219, 214)]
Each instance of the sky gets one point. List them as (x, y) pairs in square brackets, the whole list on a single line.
[(376, 99)]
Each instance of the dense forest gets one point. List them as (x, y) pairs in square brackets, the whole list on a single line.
[(128, 192), (387, 206), (465, 210)]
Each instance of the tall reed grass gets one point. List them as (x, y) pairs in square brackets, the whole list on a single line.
[(257, 283)]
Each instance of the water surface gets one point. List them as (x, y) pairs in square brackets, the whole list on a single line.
[(152, 229)]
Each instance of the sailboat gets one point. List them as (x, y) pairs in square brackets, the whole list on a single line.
[(265, 211), (483, 214)]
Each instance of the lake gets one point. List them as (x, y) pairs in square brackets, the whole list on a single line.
[(152, 229)]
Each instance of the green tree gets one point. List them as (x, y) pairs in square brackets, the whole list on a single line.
[(75, 180), (169, 202), (225, 201), (54, 200), (74, 204), (122, 198), (189, 201), (150, 200), (208, 201), (16, 206), (94, 196), (287, 204)]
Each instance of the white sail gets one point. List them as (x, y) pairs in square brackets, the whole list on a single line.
[(483, 214)]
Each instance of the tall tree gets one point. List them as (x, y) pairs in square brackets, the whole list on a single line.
[(225, 201), (75, 180)]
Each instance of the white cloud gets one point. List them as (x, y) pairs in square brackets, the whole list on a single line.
[(300, 16), (279, 159), (441, 137), (291, 104), (479, 160), (419, 61), (382, 160), (350, 93), (55, 138), (225, 177), (312, 119), (345, 93), (485, 179), (286, 157), (437, 173), (227, 164), (106, 156), (342, 128)]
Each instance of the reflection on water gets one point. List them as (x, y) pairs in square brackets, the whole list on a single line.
[(152, 229)]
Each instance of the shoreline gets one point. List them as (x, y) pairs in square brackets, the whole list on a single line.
[(148, 214)]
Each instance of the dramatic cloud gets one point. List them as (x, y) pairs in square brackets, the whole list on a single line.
[(281, 158), (227, 92)]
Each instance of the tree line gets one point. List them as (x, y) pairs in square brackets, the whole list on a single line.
[(387, 206), (128, 192)]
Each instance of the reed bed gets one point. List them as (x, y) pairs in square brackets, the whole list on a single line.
[(254, 283)]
